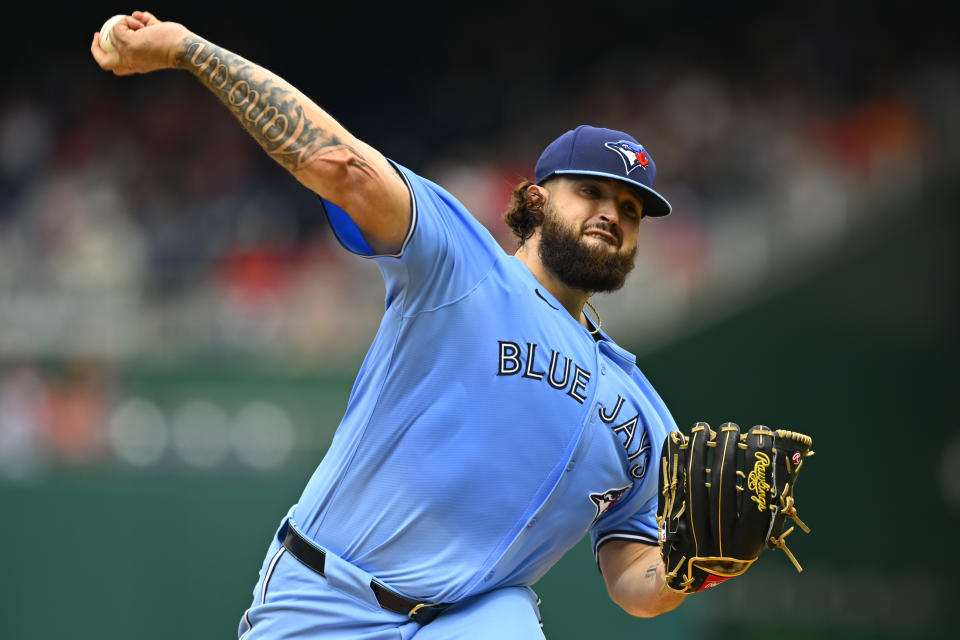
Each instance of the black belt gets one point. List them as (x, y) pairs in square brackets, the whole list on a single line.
[(315, 558)]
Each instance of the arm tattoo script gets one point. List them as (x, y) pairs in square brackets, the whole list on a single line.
[(268, 109), (651, 572)]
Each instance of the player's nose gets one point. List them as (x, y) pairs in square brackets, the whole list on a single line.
[(607, 211)]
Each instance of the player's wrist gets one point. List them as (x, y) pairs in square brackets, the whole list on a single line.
[(180, 44)]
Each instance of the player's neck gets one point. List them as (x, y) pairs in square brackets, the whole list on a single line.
[(571, 298)]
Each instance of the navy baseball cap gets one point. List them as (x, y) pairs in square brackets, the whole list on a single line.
[(608, 153)]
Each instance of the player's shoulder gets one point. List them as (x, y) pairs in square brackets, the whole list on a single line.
[(421, 185), (439, 210)]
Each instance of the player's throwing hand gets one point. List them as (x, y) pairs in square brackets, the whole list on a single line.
[(143, 44)]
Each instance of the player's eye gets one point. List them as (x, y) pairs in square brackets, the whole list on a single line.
[(589, 191)]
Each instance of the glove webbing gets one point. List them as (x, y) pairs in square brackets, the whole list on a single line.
[(788, 509)]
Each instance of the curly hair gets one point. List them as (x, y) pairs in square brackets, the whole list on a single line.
[(525, 211)]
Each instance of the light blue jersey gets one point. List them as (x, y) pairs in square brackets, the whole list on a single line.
[(487, 431)]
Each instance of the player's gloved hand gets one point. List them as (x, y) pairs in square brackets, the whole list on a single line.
[(723, 497), (143, 44)]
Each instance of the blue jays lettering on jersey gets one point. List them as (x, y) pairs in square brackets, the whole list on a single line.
[(487, 431)]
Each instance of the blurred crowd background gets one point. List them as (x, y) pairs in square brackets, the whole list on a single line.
[(173, 303)]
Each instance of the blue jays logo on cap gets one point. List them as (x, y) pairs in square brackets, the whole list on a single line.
[(632, 154), (587, 151)]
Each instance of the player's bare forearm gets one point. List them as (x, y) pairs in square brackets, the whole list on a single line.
[(305, 140), (634, 575), (287, 124), (290, 127)]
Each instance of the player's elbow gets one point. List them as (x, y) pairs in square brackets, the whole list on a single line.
[(342, 174), (651, 609), (632, 605), (646, 603), (377, 201), (647, 609)]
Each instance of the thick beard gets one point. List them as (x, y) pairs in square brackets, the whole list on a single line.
[(577, 264)]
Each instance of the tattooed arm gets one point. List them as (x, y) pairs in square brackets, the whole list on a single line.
[(634, 575), (290, 127)]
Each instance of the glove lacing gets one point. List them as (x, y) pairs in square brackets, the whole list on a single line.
[(789, 510), (670, 575)]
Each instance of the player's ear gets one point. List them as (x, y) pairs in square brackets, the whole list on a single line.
[(535, 198), (537, 188)]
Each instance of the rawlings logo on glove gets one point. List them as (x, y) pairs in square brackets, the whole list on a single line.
[(709, 530)]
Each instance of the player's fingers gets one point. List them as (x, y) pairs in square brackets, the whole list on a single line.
[(135, 24), (102, 57), (146, 18), (123, 28)]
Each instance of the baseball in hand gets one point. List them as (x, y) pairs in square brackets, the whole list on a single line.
[(105, 42)]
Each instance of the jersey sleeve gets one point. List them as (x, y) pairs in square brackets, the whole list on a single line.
[(445, 254), (635, 520), (639, 525)]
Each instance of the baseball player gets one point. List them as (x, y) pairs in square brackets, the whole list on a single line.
[(493, 423)]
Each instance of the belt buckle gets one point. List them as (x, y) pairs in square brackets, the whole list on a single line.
[(413, 613)]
